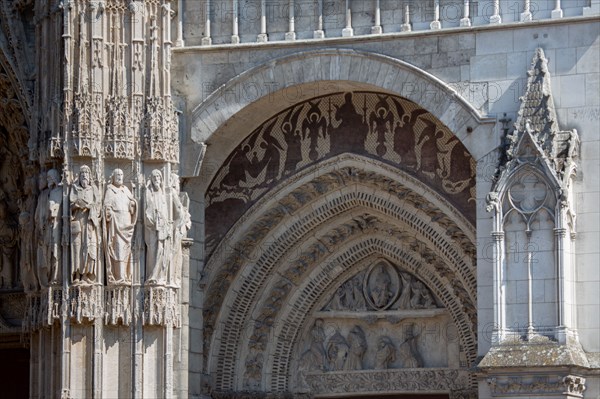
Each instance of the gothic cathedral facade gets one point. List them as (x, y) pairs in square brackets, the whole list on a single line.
[(299, 199)]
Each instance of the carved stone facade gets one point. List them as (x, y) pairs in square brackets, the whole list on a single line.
[(299, 198)]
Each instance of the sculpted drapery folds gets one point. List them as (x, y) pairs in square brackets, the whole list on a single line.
[(48, 219), (120, 214), (84, 199), (157, 230), (166, 221), (26, 229), (182, 222)]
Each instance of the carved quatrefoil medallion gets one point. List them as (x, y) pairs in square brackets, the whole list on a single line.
[(529, 193)]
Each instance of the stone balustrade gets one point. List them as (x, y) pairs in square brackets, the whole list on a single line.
[(222, 22)]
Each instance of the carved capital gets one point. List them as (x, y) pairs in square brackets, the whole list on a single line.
[(575, 386)]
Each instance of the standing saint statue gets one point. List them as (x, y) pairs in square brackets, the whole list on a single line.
[(181, 224), (48, 219), (85, 226), (120, 214), (26, 227), (158, 231)]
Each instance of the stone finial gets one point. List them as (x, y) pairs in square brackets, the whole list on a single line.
[(537, 122)]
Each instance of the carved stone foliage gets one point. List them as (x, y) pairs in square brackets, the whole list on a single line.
[(538, 385), (384, 127), (388, 381), (379, 288)]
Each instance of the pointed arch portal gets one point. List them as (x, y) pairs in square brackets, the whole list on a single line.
[(340, 243)]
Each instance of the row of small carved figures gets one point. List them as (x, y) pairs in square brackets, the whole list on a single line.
[(101, 228), (418, 151), (348, 353)]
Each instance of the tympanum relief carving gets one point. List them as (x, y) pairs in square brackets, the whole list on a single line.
[(382, 318), (381, 287)]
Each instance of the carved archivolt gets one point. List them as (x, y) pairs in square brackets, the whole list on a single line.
[(321, 215)]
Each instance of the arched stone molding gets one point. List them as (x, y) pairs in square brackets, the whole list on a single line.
[(297, 213), (229, 110), (14, 57)]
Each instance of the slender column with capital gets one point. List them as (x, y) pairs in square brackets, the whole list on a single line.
[(206, 40), (179, 38), (436, 24), (557, 12), (496, 18), (465, 20), (291, 33), (526, 14), (319, 33), (262, 36), (235, 37), (405, 27), (376, 29), (348, 31)]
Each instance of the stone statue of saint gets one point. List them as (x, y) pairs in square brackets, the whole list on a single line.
[(8, 245), (158, 230), (48, 219), (315, 359), (84, 199), (337, 352), (181, 224), (381, 291), (26, 226), (358, 346), (408, 352), (120, 214), (386, 353)]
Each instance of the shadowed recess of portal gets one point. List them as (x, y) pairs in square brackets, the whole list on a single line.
[(380, 126)]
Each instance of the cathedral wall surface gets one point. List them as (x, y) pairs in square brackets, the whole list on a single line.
[(486, 66)]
